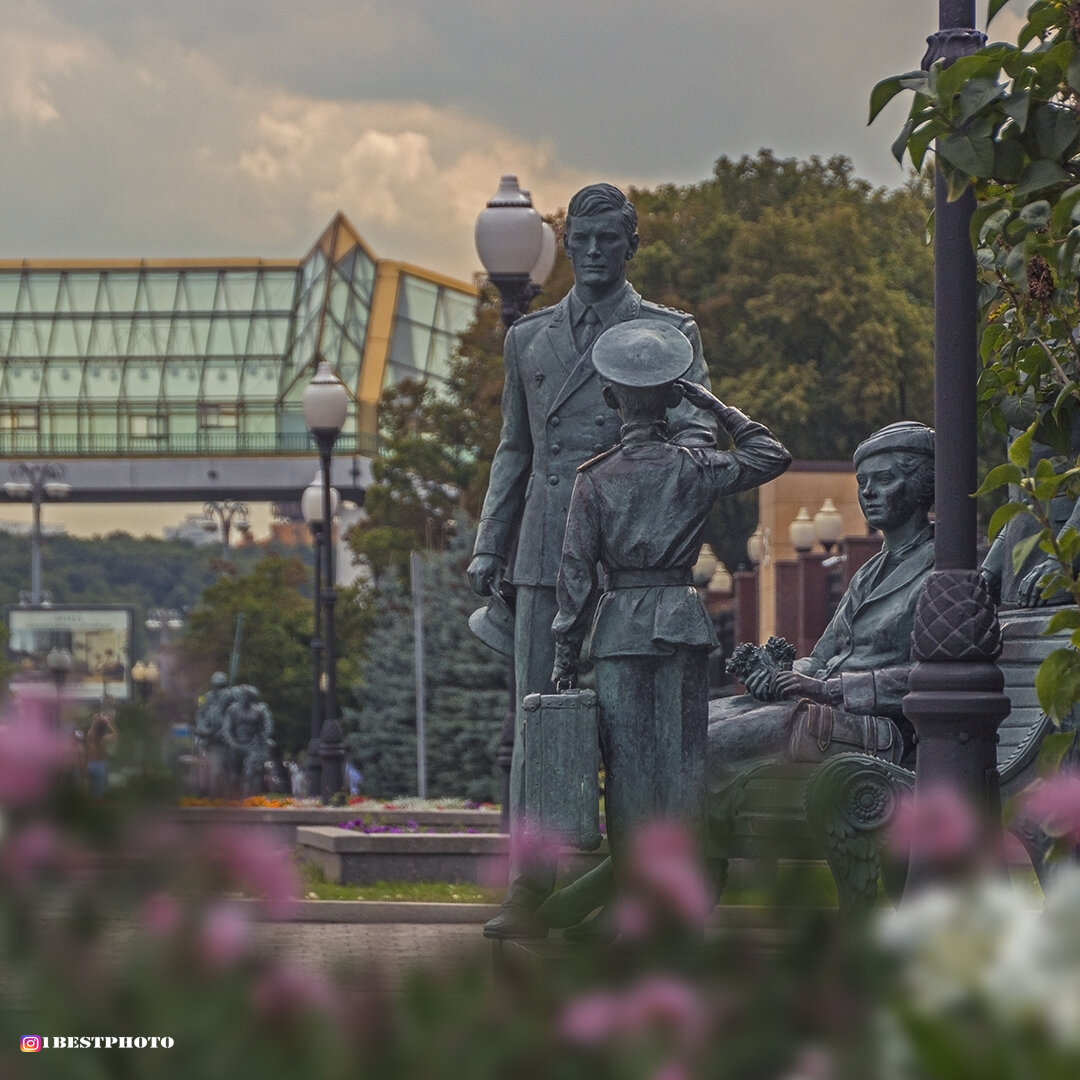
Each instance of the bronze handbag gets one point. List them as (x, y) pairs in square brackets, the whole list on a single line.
[(819, 731)]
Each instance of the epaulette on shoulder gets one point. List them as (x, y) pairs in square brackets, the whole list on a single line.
[(529, 316), (663, 309), (599, 457)]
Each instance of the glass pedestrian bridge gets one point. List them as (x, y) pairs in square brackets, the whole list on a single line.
[(186, 358)]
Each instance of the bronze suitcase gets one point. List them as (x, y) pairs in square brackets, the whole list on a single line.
[(562, 763)]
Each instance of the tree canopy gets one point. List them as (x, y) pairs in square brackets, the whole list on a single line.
[(813, 292)]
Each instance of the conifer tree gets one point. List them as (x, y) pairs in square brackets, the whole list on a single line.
[(465, 690)]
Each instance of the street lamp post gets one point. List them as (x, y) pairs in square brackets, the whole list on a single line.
[(517, 249), (326, 405), (59, 663), (311, 506), (161, 623), (220, 515), (36, 482), (144, 674), (955, 700), (516, 246)]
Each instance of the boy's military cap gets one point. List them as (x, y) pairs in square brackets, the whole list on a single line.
[(642, 352)]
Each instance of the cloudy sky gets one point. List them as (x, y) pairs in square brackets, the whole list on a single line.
[(238, 127)]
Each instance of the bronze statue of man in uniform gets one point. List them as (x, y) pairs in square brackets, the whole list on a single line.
[(554, 418)]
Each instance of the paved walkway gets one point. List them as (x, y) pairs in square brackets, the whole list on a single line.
[(389, 948)]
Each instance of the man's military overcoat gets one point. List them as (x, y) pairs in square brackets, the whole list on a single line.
[(555, 418)]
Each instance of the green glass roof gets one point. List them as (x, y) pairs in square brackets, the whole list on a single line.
[(177, 356)]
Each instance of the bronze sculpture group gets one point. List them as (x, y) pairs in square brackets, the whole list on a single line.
[(233, 738), (596, 519)]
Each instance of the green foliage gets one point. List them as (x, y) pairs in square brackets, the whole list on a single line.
[(465, 691), (813, 293), (116, 569), (1006, 121), (812, 290), (275, 653)]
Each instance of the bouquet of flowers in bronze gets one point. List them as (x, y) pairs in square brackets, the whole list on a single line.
[(777, 654)]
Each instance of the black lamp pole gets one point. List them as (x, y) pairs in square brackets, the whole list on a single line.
[(955, 699), (326, 406), (331, 748), (314, 761)]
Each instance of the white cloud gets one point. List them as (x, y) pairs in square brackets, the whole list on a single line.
[(32, 64)]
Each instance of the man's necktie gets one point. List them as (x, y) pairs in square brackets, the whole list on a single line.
[(588, 330)]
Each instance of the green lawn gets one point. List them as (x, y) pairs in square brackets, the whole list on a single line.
[(316, 887)]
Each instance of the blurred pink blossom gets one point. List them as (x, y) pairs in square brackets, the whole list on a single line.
[(286, 991), (665, 881), (258, 867), (1055, 804), (31, 757), (675, 1069), (29, 851), (632, 918), (224, 936), (937, 824), (590, 1020), (529, 847), (657, 1004), (161, 915), (663, 1002)]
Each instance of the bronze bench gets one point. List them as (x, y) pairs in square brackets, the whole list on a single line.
[(840, 810)]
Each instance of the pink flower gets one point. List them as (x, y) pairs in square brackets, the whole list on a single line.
[(658, 1004), (665, 1003), (259, 868), (530, 847), (31, 850), (632, 918), (591, 1020), (286, 991), (223, 937), (937, 824), (675, 1069), (665, 879), (31, 756), (1055, 804), (162, 915)]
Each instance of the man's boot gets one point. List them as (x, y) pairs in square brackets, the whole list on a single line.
[(517, 915)]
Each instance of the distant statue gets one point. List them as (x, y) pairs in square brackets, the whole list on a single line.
[(209, 737), (247, 731)]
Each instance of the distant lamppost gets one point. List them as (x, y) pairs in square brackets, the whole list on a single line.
[(36, 483), (220, 515), (144, 674), (705, 566), (517, 249), (162, 620), (516, 246), (721, 580), (801, 531), (326, 405), (311, 507), (59, 663), (162, 623), (828, 524)]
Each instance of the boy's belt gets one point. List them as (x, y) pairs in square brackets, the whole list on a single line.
[(645, 579)]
